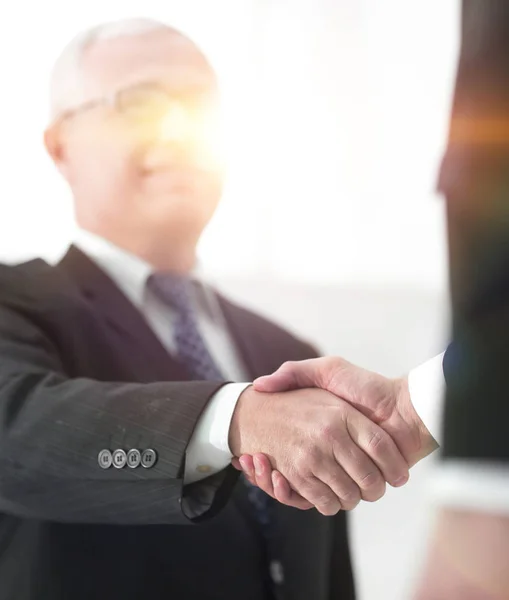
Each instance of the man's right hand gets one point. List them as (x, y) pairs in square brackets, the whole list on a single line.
[(385, 401), (330, 453)]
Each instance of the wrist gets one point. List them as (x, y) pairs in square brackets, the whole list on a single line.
[(244, 421)]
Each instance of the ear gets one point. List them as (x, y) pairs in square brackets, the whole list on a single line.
[(55, 147)]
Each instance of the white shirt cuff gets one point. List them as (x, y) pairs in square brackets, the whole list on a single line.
[(426, 384), (208, 451), (477, 486)]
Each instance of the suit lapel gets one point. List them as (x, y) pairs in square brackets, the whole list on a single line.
[(123, 319)]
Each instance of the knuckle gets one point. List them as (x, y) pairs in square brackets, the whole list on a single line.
[(323, 499), (371, 480), (313, 458), (350, 498), (326, 500), (375, 494), (326, 433), (304, 461), (378, 442), (329, 512), (287, 366), (328, 505)]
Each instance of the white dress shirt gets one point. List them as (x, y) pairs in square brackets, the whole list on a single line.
[(456, 483)]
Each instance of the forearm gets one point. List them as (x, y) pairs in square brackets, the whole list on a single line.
[(52, 444)]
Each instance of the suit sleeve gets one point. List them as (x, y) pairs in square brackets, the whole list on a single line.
[(52, 429)]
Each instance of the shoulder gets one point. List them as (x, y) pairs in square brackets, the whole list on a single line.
[(34, 283)]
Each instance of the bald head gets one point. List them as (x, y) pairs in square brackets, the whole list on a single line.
[(163, 55), (98, 59)]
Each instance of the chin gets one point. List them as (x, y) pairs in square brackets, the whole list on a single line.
[(181, 227)]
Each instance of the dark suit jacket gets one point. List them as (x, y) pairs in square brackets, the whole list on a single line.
[(475, 179), (81, 371)]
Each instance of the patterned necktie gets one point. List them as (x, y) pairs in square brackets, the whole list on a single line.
[(175, 290)]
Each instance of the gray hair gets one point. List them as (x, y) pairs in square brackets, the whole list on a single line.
[(66, 82)]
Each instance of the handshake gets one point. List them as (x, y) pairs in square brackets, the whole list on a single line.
[(328, 434)]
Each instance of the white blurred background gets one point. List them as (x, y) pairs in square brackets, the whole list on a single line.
[(336, 114)]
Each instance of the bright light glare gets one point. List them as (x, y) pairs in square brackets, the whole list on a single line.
[(176, 125), (210, 138), (334, 116), (201, 132)]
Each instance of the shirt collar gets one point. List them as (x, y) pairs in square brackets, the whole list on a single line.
[(130, 272)]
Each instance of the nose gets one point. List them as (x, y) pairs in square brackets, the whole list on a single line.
[(170, 142), (176, 126), (185, 138)]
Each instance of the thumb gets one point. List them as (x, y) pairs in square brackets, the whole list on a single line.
[(290, 376)]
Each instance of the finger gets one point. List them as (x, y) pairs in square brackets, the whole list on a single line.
[(284, 494), (263, 474), (342, 485), (379, 446), (265, 477), (246, 462), (361, 470), (290, 376), (319, 494)]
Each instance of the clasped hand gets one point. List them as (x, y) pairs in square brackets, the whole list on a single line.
[(324, 433)]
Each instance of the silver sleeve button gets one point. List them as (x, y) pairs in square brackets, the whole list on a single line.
[(105, 459), (133, 458), (148, 458), (119, 459)]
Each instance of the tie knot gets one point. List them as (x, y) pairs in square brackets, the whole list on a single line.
[(173, 289)]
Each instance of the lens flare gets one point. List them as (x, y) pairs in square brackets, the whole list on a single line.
[(199, 131)]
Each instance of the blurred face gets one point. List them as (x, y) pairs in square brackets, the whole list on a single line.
[(145, 159)]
